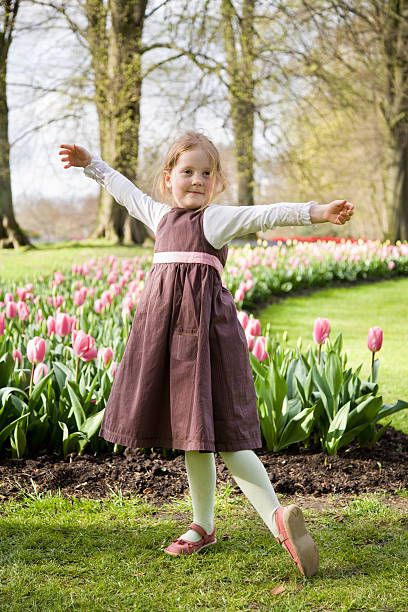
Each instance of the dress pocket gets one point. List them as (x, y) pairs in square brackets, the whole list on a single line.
[(184, 344)]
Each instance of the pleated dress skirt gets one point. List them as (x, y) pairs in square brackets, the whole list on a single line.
[(185, 380)]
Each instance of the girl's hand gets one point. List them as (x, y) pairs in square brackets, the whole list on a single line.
[(337, 212), (74, 155)]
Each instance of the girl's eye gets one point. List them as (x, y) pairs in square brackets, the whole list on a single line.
[(207, 173), (188, 171)]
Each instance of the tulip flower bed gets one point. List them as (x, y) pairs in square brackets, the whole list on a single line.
[(314, 397), (59, 350), (254, 274)]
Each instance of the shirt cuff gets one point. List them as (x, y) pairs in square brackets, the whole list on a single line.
[(304, 213), (96, 169)]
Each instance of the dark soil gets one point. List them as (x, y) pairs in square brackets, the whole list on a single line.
[(295, 471)]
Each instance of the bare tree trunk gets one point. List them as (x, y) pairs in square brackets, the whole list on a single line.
[(127, 18), (11, 235), (116, 61), (395, 36), (239, 54)]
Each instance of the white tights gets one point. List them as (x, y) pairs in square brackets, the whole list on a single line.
[(249, 474)]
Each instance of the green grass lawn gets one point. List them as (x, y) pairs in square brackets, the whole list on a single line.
[(352, 311), (88, 555)]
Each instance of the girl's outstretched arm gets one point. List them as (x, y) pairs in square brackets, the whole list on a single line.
[(138, 204), (223, 223)]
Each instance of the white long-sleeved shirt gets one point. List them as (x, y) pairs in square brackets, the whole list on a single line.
[(220, 223)]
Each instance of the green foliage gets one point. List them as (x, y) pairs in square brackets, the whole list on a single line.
[(300, 399)]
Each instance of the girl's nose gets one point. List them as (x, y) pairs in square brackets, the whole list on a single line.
[(196, 180)]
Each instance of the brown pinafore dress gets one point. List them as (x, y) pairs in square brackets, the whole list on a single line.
[(185, 380)]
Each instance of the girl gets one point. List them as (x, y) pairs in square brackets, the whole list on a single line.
[(185, 380)]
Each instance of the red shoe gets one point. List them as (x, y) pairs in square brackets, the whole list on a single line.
[(182, 547), (294, 536)]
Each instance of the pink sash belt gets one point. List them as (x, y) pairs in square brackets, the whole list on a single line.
[(188, 257)]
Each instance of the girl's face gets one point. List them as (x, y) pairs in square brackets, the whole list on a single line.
[(189, 181)]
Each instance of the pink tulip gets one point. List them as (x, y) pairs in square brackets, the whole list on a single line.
[(8, 298), (73, 323), (29, 286), (39, 316), (11, 310), (391, 265), (254, 327), (98, 305), (111, 278), (83, 345), (56, 300), (62, 324), (259, 350), (243, 318), (250, 340), (249, 284), (106, 298), (2, 323), (21, 292), (50, 325), (36, 349), (140, 274), (321, 330), (114, 368), (375, 339), (17, 356), (239, 295), (58, 277), (79, 297), (106, 355), (22, 310), (40, 371)]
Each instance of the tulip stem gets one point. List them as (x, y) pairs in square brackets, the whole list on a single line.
[(77, 369), (372, 366), (320, 349), (31, 380)]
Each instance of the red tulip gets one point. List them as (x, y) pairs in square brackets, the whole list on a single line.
[(259, 350), (321, 330), (375, 339), (40, 371), (36, 349)]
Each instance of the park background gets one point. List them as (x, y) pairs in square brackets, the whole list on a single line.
[(305, 100)]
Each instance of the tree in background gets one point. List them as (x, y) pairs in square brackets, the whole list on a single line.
[(11, 235), (355, 55)]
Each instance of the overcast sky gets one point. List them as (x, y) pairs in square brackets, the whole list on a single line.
[(43, 59)]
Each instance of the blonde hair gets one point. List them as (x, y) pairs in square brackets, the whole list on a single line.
[(187, 141)]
